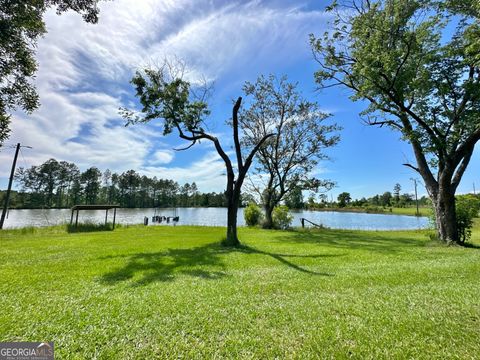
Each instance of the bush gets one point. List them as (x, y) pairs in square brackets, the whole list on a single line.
[(467, 207), (282, 219), (252, 214), (89, 227)]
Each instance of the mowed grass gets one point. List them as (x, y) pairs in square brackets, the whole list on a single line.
[(423, 211), (173, 292)]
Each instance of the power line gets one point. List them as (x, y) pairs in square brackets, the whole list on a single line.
[(23, 157)]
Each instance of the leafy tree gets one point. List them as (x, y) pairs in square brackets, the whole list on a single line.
[(129, 182), (294, 199), (48, 179), (106, 184), (396, 192), (165, 95), (405, 200), (90, 180), (185, 194), (286, 160), (418, 80), (386, 198), (21, 24), (68, 172), (145, 190), (113, 189), (194, 193), (344, 199)]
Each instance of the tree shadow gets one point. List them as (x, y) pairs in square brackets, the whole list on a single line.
[(353, 240), (282, 258), (144, 268), (205, 262), (470, 245)]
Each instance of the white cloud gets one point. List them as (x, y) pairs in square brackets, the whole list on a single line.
[(84, 71), (162, 157), (208, 173)]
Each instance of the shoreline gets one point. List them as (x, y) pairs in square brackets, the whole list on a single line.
[(387, 211)]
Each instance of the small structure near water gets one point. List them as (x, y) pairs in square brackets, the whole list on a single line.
[(77, 208), (159, 219), (156, 218)]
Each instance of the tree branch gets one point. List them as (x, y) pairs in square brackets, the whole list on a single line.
[(461, 169), (238, 150)]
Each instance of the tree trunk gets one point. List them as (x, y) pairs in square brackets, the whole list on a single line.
[(233, 197), (268, 223), (268, 205), (445, 215), (232, 237)]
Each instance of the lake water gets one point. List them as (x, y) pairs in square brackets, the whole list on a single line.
[(216, 217)]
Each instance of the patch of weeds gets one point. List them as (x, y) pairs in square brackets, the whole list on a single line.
[(89, 227)]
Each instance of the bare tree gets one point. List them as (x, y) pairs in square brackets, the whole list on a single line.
[(183, 108), (286, 161)]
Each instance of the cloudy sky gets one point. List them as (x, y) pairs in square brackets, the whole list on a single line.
[(84, 73)]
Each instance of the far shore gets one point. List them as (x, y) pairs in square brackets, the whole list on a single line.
[(423, 211)]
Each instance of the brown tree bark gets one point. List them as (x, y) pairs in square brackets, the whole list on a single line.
[(445, 216)]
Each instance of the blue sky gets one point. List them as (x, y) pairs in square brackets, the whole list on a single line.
[(84, 73)]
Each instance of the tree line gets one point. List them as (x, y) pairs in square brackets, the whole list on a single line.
[(295, 200), (386, 199), (416, 64), (61, 184)]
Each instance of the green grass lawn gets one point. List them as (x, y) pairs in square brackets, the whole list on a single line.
[(424, 211), (173, 292)]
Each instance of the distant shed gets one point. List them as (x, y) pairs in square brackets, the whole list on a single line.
[(77, 208)]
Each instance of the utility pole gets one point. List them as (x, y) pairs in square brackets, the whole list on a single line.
[(10, 181), (474, 189)]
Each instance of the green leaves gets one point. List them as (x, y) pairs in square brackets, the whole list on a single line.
[(21, 24), (167, 99), (420, 78), (398, 57)]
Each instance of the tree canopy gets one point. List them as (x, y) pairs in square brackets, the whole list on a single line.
[(287, 160), (61, 184), (416, 64), (21, 25), (166, 96)]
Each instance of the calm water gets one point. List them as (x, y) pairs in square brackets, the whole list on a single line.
[(216, 217)]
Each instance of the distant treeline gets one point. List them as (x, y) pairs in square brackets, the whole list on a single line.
[(60, 184), (387, 199)]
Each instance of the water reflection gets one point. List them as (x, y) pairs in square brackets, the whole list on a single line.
[(216, 217)]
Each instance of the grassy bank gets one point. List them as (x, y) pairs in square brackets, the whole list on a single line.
[(411, 211), (167, 292)]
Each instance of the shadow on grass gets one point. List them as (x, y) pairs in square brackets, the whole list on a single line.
[(205, 262), (355, 240), (165, 265), (470, 245), (282, 258)]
